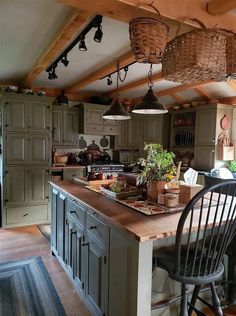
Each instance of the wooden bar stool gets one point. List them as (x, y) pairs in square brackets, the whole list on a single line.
[(205, 229)]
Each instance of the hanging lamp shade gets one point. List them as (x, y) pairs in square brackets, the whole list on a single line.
[(116, 111), (150, 104)]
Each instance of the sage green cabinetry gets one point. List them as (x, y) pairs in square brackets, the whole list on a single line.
[(207, 131), (92, 122), (26, 159), (65, 124)]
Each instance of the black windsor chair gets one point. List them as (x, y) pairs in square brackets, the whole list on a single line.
[(206, 227)]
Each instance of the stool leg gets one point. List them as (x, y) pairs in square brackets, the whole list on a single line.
[(215, 301), (194, 298), (184, 300)]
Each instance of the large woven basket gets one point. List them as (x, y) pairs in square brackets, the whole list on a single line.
[(195, 56), (148, 38), (230, 53)]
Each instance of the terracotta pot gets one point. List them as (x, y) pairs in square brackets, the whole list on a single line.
[(154, 188)]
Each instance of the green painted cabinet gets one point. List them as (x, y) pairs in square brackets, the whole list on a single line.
[(65, 126)]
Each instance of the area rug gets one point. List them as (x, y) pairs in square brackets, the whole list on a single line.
[(45, 230), (26, 289)]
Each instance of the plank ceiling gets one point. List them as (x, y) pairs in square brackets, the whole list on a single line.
[(33, 33)]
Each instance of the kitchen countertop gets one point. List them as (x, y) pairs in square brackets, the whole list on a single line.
[(142, 227), (67, 167)]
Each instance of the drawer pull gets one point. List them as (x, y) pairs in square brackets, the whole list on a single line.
[(26, 214), (85, 244), (92, 227)]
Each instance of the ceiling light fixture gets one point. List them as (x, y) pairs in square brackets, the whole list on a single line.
[(150, 103), (65, 61), (116, 111), (109, 80), (98, 34), (82, 45), (94, 23), (54, 75)]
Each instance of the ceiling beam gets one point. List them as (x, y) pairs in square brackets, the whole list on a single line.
[(74, 23), (135, 84), (124, 60), (202, 92), (220, 7), (232, 84), (175, 90), (229, 100), (123, 10), (177, 98)]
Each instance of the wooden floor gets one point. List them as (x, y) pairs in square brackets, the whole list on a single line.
[(18, 243)]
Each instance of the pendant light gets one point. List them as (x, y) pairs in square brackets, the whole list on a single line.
[(116, 111), (150, 103)]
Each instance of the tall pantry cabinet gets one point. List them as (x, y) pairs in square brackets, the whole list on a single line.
[(26, 158)]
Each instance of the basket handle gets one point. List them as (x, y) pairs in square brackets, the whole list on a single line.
[(200, 23), (151, 6)]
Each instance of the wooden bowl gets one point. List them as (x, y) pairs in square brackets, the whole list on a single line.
[(61, 159)]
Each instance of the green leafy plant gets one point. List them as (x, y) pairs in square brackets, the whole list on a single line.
[(159, 164), (232, 166)]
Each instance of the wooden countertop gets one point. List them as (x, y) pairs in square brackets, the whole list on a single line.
[(140, 226), (67, 167)]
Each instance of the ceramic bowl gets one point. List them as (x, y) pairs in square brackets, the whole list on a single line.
[(41, 93), (27, 91), (10, 89)]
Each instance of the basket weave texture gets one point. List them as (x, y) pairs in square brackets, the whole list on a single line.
[(195, 56), (230, 53), (148, 37)]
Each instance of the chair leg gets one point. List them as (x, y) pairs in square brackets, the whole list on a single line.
[(194, 298), (184, 300), (215, 301)]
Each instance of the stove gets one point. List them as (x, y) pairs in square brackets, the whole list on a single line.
[(105, 168)]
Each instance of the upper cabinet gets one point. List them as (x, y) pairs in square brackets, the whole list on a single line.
[(92, 122), (31, 114), (206, 127), (65, 126)]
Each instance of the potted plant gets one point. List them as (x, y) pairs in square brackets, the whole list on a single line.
[(159, 168), (232, 167)]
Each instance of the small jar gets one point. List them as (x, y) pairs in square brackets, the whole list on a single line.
[(161, 199), (172, 200)]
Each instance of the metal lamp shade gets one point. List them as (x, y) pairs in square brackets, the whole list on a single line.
[(150, 105), (116, 112)]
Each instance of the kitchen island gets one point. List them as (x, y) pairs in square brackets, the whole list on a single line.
[(106, 248)]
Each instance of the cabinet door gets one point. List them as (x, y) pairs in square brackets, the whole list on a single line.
[(121, 140), (39, 117), (205, 127), (57, 133), (97, 276), (60, 221), (38, 149), (54, 194), (15, 186), (204, 157), (135, 132), (16, 115), (38, 185), (17, 149), (94, 115), (152, 129), (70, 127)]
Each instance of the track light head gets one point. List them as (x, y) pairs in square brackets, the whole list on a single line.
[(109, 80), (54, 75), (82, 45), (65, 61), (98, 34), (50, 76)]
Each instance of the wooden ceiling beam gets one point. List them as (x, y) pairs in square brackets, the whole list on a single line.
[(202, 92), (232, 83), (123, 10), (220, 7), (74, 23), (229, 100), (135, 84), (124, 60), (177, 98)]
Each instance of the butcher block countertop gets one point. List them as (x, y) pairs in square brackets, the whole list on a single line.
[(141, 226)]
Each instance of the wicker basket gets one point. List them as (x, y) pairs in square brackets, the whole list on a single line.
[(230, 53), (148, 38), (195, 56)]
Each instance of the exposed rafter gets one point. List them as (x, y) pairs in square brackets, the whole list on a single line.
[(229, 100), (67, 32), (202, 92), (220, 7), (124, 60), (123, 10), (177, 98)]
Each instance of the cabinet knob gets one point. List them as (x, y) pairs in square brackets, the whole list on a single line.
[(213, 141), (26, 214), (212, 150), (92, 227)]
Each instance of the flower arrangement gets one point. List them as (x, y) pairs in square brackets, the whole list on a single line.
[(159, 164)]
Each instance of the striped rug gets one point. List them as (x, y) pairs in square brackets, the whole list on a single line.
[(26, 289)]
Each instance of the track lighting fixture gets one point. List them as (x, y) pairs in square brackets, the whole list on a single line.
[(65, 61), (109, 80), (96, 22), (82, 46), (98, 34)]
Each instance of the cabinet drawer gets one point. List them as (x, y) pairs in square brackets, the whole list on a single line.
[(76, 211), (111, 129), (27, 214), (97, 228), (93, 128)]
